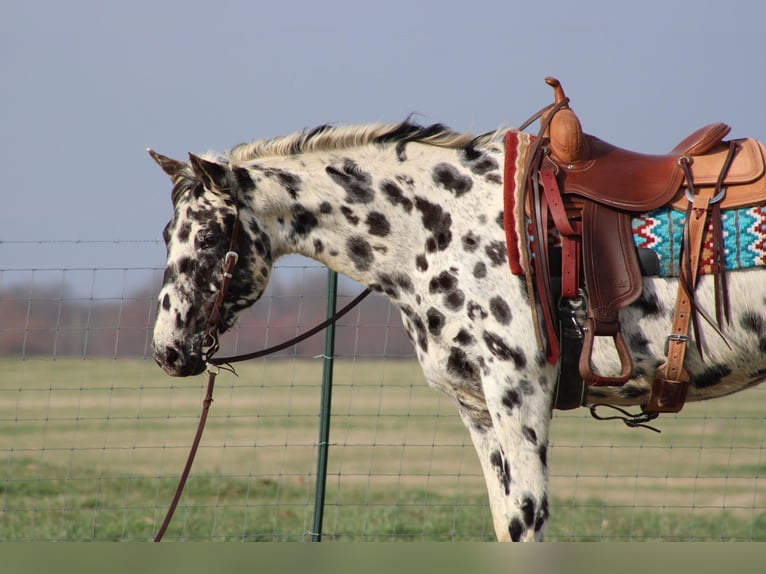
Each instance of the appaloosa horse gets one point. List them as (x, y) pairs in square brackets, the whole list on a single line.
[(417, 214)]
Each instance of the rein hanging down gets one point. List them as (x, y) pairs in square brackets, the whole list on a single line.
[(214, 364)]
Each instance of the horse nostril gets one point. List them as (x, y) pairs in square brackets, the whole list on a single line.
[(171, 355)]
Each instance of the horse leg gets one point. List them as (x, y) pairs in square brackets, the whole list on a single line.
[(486, 443), (516, 482), (514, 457)]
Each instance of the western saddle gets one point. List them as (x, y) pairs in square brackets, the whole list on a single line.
[(588, 191)]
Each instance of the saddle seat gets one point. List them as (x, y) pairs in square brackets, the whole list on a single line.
[(638, 182)]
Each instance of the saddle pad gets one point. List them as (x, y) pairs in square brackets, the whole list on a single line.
[(744, 233)]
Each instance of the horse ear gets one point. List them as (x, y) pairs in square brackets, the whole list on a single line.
[(213, 175), (172, 167)]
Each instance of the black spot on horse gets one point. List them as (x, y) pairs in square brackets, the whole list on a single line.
[(497, 253), (442, 283), (755, 323), (529, 434), (478, 162), (649, 304), (500, 349), (421, 262), (378, 224), (404, 282), (630, 391), (639, 343), (476, 311), (448, 177), (711, 376), (184, 231), (527, 387), (435, 320), (503, 470), (303, 221), (395, 196), (437, 222), (356, 182), (262, 245), (495, 178), (454, 300), (166, 302), (360, 252), (289, 181), (318, 245), (464, 338), (243, 180), (325, 207), (470, 241), (500, 310), (170, 275), (391, 283), (185, 265), (348, 213), (459, 365), (446, 283), (418, 326), (528, 510), (511, 400), (480, 270)]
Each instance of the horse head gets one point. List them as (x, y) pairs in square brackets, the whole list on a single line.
[(207, 213)]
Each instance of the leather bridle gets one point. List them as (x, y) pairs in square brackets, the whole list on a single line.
[(210, 346)]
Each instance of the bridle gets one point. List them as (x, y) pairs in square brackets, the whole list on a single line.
[(211, 345)]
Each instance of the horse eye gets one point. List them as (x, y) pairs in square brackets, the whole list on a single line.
[(206, 239)]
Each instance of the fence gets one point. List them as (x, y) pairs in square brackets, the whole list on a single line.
[(94, 435)]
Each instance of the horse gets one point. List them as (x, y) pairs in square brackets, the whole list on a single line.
[(416, 213)]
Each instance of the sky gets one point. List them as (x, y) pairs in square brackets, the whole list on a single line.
[(87, 86)]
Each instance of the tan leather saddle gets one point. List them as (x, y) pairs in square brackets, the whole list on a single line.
[(589, 191)]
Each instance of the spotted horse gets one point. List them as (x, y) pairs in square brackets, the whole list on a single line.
[(423, 215)]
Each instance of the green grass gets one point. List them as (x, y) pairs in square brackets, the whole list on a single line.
[(92, 449)]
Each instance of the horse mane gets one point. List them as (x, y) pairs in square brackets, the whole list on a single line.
[(328, 138)]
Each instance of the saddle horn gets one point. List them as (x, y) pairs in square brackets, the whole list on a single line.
[(567, 141)]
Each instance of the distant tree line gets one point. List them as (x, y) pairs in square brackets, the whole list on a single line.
[(43, 321)]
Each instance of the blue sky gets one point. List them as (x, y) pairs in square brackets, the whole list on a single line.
[(88, 86)]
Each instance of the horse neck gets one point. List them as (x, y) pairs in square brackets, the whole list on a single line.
[(361, 212)]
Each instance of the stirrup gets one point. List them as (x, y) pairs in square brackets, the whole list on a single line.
[(586, 370)]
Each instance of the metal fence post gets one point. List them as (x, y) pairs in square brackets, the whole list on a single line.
[(325, 408)]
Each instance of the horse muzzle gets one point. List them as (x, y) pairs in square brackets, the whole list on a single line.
[(177, 361)]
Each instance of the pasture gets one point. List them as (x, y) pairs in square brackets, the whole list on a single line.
[(92, 448)]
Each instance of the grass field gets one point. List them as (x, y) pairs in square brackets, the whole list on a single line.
[(91, 450)]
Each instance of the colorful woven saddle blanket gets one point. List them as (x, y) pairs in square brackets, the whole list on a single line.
[(744, 233)]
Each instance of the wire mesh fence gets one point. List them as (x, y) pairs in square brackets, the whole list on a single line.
[(94, 435)]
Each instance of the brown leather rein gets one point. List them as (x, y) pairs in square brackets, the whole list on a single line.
[(211, 346)]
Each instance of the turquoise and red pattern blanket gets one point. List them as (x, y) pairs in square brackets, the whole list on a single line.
[(744, 232)]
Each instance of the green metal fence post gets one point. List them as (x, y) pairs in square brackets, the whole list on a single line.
[(325, 408)]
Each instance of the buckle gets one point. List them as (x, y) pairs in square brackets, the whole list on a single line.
[(676, 337), (715, 199)]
